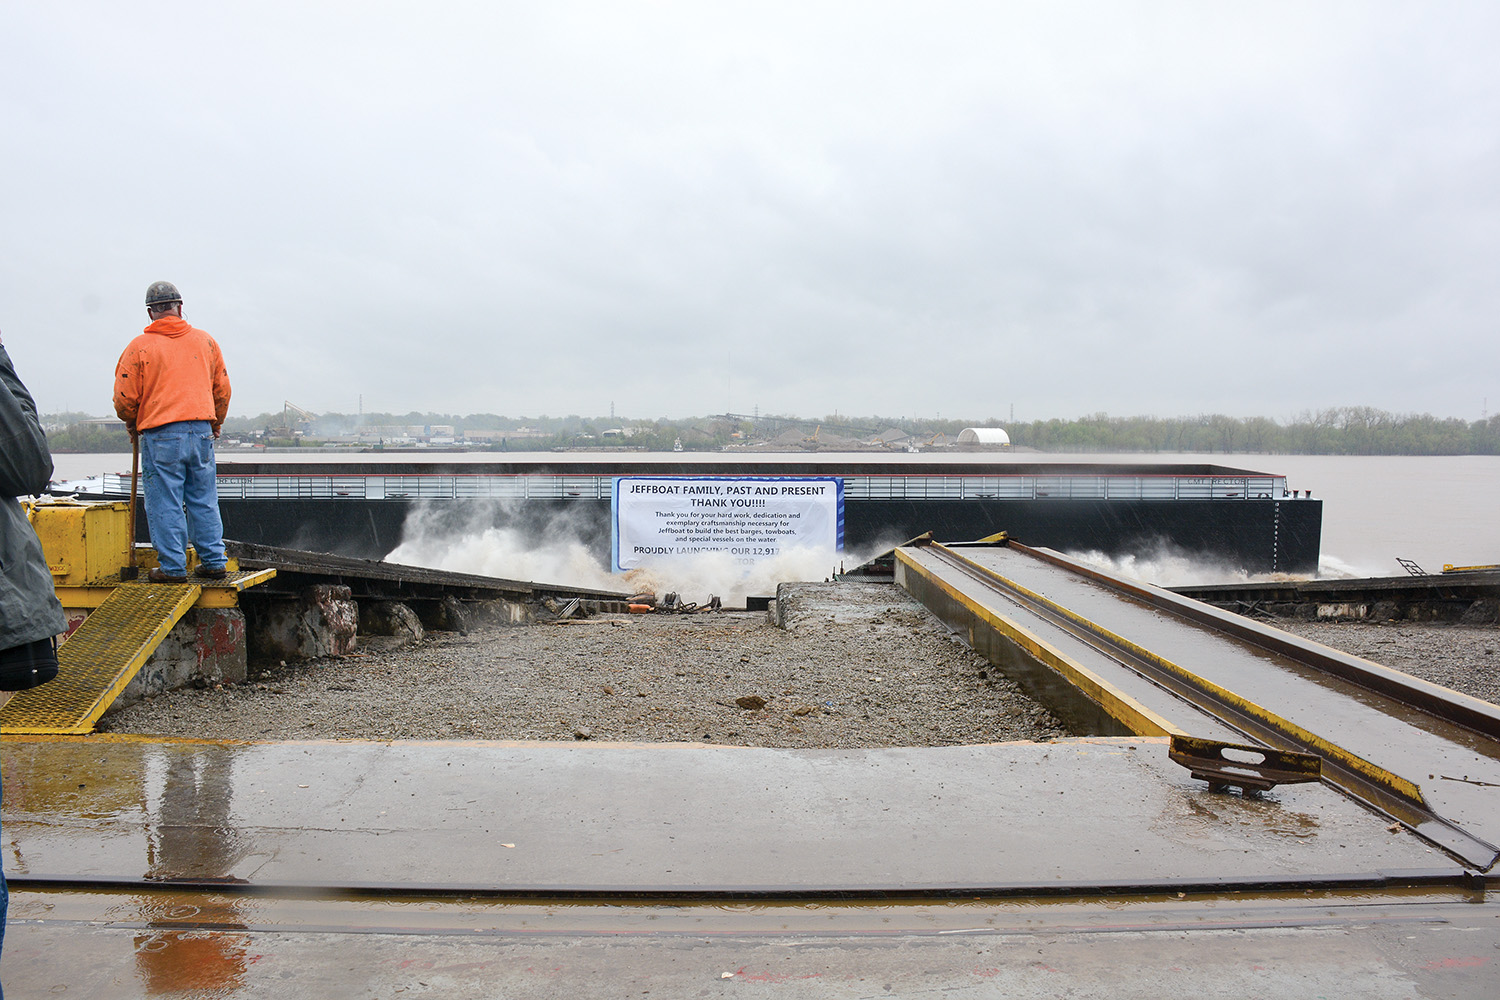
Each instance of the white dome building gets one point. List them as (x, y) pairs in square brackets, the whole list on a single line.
[(991, 437)]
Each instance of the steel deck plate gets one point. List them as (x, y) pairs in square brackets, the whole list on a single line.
[(1428, 772)]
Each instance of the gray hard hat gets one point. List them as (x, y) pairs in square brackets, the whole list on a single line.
[(161, 293)]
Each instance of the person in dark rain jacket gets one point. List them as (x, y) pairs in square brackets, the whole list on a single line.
[(30, 616)]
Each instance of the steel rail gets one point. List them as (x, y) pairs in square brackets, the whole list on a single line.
[(1390, 794), (1441, 703)]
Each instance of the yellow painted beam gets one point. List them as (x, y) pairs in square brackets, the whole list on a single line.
[(1120, 706), (215, 593), (1374, 773)]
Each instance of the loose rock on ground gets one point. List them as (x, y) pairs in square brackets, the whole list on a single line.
[(857, 665), (1465, 658)]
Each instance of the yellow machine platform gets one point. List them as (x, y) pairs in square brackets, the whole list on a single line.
[(87, 546), (100, 658), (106, 652)]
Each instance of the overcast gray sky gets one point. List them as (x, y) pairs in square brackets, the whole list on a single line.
[(686, 208)]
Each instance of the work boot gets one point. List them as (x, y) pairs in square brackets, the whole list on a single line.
[(210, 572), (157, 576)]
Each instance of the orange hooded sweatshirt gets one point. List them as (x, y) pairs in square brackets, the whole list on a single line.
[(171, 372)]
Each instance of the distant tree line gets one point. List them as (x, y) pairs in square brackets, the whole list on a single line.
[(88, 439), (1350, 430)]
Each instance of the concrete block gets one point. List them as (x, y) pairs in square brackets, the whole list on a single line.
[(205, 648), (446, 615), (498, 612), (390, 618), (782, 604), (323, 621), (1483, 611)]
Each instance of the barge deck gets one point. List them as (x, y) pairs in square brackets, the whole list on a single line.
[(361, 507)]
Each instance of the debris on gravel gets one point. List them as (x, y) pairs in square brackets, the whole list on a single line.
[(855, 665)]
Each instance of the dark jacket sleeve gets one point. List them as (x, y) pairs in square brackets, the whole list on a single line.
[(25, 462)]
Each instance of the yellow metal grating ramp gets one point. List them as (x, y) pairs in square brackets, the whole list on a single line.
[(99, 659)]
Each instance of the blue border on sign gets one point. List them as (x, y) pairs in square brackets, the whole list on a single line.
[(614, 525), (614, 503)]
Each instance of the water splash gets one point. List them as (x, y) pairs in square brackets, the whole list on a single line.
[(1334, 568), (498, 541), (1174, 568), (1166, 568)]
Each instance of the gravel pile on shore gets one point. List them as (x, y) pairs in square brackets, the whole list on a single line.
[(1465, 658), (859, 665)]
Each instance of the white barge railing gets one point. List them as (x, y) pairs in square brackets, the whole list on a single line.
[(433, 486)]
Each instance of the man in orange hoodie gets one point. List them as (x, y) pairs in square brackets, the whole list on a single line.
[(172, 391)]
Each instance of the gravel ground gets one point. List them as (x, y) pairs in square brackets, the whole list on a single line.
[(1465, 658), (858, 665)]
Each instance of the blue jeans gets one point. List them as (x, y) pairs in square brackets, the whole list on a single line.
[(177, 467)]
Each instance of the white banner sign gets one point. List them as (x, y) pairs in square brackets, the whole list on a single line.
[(660, 518)]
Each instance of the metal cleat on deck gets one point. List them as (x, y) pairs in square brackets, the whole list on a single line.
[(1252, 769)]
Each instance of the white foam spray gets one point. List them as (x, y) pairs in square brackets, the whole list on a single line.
[(487, 541), (1334, 568), (1167, 567), (506, 553)]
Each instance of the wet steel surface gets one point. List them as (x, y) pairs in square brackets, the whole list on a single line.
[(982, 593), (1457, 770), (618, 818), (158, 943), (396, 869), (1086, 868)]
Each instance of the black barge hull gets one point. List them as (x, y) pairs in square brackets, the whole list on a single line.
[(366, 507), (1257, 536)]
